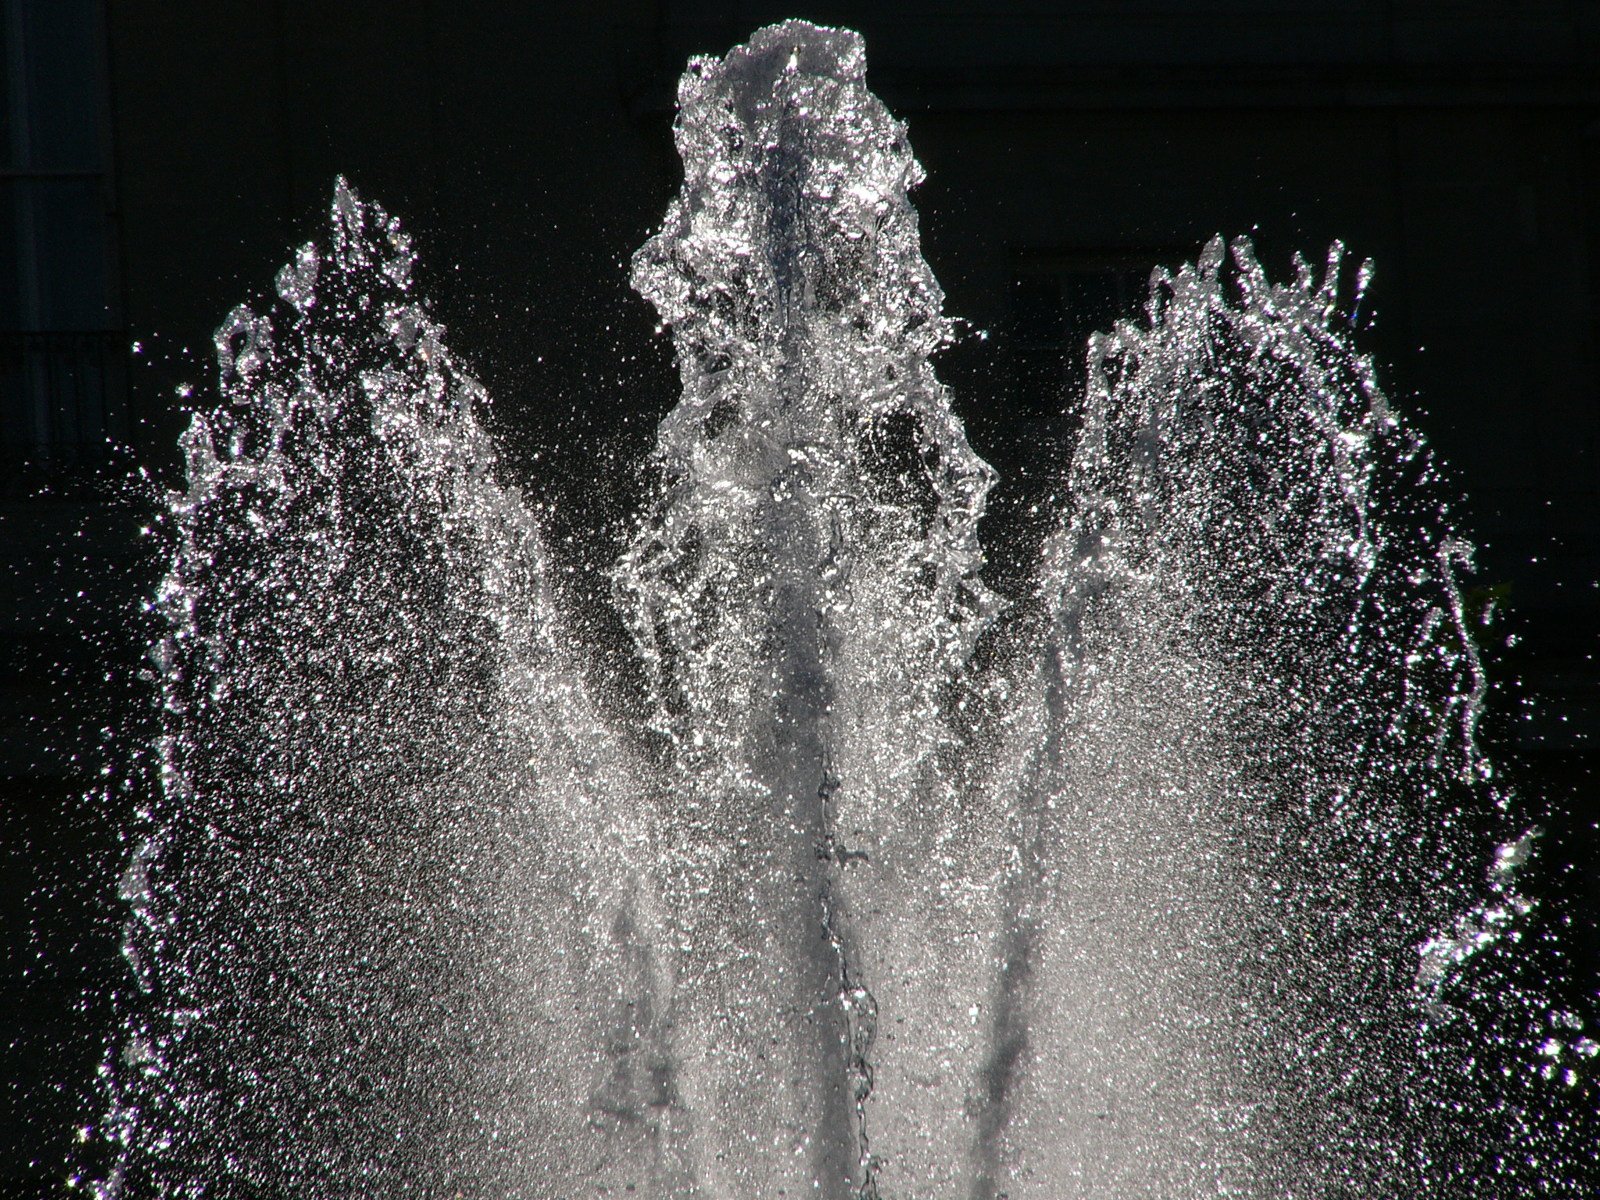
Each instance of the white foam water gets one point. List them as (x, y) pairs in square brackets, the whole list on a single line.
[(1174, 876)]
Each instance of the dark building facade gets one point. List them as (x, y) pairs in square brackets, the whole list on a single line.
[(162, 156)]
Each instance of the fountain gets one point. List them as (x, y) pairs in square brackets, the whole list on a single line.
[(1181, 873)]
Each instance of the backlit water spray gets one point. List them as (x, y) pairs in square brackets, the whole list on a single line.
[(1168, 877)]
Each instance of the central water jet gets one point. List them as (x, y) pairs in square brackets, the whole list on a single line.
[(803, 593)]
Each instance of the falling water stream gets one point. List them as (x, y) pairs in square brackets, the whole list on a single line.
[(1168, 877)]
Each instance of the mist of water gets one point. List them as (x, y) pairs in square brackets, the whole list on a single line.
[(1173, 876)]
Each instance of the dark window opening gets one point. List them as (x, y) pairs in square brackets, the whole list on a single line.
[(63, 364)]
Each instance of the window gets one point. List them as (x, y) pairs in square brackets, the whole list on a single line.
[(62, 356)]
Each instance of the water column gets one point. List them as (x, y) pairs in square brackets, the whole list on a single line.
[(1243, 737), (801, 594), (373, 898)]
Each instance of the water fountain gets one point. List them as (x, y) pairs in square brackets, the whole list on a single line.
[(1174, 876)]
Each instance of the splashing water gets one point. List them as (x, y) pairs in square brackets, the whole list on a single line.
[(1165, 879)]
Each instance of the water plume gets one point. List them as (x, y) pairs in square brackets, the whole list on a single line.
[(1180, 873)]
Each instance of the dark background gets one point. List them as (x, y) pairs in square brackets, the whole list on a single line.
[(162, 156)]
